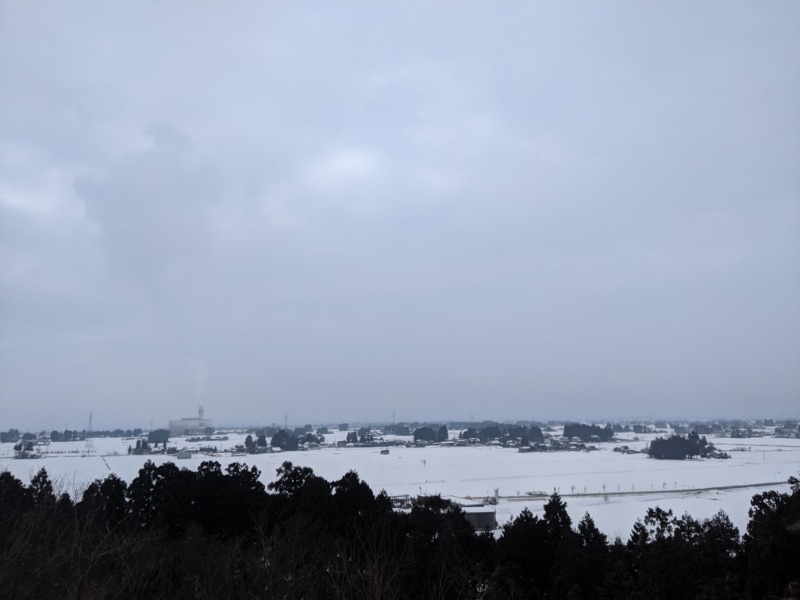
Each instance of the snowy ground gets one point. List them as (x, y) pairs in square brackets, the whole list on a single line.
[(615, 489)]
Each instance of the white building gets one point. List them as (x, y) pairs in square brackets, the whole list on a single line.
[(190, 425)]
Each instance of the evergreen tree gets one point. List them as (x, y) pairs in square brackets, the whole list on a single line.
[(41, 488), (424, 434)]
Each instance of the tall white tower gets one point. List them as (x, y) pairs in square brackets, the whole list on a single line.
[(89, 442)]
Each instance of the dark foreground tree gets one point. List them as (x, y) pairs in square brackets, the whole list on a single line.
[(772, 543), (219, 533)]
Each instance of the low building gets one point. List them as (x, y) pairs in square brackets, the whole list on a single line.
[(481, 517)]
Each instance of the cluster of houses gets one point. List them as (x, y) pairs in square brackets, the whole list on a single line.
[(559, 445)]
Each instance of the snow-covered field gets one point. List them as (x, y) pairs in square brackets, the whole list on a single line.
[(614, 488)]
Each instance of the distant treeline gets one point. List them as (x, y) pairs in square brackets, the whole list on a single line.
[(587, 433), (68, 435), (523, 435), (428, 434), (677, 447), (219, 533)]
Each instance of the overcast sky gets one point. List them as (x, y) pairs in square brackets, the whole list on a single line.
[(341, 211)]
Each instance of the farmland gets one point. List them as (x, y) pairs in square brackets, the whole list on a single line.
[(614, 488)]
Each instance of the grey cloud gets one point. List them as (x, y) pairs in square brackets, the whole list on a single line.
[(152, 209), (527, 210)]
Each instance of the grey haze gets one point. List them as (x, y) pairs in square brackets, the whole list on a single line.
[(441, 209)]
